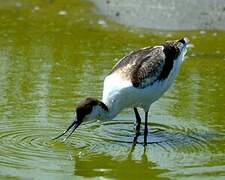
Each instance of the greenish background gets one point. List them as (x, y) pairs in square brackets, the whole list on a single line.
[(54, 53)]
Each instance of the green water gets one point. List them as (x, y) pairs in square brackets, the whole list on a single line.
[(54, 53)]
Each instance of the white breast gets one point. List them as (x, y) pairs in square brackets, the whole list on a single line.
[(113, 86), (114, 92)]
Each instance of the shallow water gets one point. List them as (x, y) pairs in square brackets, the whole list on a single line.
[(53, 55)]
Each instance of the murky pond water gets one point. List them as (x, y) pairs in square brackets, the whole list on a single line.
[(54, 54)]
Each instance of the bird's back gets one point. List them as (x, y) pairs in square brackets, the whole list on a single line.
[(144, 66)]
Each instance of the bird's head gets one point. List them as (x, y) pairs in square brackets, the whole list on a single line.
[(182, 45), (87, 110), (176, 48)]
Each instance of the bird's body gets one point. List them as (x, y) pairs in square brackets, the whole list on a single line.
[(120, 90), (137, 80)]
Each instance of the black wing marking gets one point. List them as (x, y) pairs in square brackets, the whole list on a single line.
[(149, 69), (145, 66), (156, 66)]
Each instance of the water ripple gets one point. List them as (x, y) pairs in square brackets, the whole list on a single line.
[(23, 144), (121, 132)]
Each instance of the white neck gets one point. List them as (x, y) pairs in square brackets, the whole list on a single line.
[(113, 110)]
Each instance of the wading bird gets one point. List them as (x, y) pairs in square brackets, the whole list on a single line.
[(137, 80)]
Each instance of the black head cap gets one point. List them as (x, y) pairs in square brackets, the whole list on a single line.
[(85, 107), (173, 48), (184, 40)]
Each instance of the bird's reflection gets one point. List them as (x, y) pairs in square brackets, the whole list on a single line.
[(104, 165)]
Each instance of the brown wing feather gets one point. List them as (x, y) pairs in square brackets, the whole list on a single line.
[(145, 66), (131, 59), (141, 67), (148, 69)]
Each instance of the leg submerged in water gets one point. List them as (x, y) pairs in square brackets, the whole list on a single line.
[(137, 125), (146, 129)]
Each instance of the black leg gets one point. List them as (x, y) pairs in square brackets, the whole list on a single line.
[(146, 128), (137, 125)]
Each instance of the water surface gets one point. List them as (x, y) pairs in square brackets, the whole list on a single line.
[(54, 54)]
